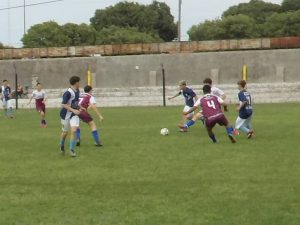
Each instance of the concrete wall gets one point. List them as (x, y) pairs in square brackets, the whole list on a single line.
[(264, 66)]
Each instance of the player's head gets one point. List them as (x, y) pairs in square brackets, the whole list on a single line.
[(206, 89), (87, 89), (182, 84), (207, 81), (5, 82), (39, 86), (241, 84), (74, 81)]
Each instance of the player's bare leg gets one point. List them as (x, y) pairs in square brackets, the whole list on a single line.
[(211, 134), (43, 121), (191, 122), (230, 132)]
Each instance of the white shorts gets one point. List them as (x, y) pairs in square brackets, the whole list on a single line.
[(7, 104), (186, 109), (72, 122), (243, 122)]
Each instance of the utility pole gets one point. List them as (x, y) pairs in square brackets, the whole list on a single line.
[(24, 5), (179, 20)]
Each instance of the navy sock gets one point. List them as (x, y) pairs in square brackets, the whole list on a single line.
[(213, 138), (96, 137), (62, 142)]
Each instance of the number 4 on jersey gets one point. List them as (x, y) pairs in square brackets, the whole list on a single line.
[(211, 104)]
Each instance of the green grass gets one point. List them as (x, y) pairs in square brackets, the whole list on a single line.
[(143, 178)]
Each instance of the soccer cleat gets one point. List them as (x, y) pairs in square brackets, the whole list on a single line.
[(250, 134), (183, 128), (99, 145), (62, 149), (232, 139), (72, 153)]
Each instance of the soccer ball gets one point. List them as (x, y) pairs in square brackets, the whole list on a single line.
[(164, 132)]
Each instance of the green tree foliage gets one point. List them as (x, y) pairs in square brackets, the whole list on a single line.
[(1, 46), (290, 5), (48, 34), (231, 27), (121, 35), (155, 18), (82, 34), (251, 20)]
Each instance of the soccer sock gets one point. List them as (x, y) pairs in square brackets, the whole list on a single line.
[(230, 130), (10, 111), (189, 123), (72, 144), (96, 137), (78, 134), (43, 121), (244, 129), (213, 138), (62, 142)]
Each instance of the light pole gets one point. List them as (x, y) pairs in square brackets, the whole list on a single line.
[(179, 19)]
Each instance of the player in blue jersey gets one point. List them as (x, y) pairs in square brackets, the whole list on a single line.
[(69, 115), (6, 99), (190, 99), (243, 122)]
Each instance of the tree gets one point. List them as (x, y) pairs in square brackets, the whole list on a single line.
[(48, 34), (231, 27), (283, 24), (155, 18), (209, 30), (290, 5), (121, 35), (1, 46), (256, 9), (82, 34)]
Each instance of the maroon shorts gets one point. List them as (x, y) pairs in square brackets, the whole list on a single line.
[(85, 117), (40, 106), (221, 120)]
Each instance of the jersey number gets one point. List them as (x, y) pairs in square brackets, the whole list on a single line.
[(211, 104)]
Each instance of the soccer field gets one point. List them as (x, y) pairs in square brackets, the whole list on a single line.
[(142, 178)]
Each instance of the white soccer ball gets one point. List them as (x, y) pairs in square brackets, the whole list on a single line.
[(164, 132)]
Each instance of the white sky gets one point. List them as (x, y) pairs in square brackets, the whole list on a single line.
[(80, 11)]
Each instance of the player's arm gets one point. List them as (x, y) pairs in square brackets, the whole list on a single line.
[(175, 96), (45, 97), (94, 107), (242, 103), (223, 103)]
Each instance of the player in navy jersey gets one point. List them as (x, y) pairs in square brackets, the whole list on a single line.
[(243, 122), (87, 101), (190, 99), (69, 115), (40, 99), (6, 99), (213, 114)]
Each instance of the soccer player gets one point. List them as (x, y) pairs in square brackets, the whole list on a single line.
[(40, 99), (198, 116), (69, 115), (213, 114), (243, 122), (86, 102), (190, 98), (6, 99)]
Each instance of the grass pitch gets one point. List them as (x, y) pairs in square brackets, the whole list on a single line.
[(143, 178)]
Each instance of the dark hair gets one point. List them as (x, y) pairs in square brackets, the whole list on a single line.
[(87, 88), (4, 81), (74, 80), (38, 83), (242, 83), (206, 89), (207, 81)]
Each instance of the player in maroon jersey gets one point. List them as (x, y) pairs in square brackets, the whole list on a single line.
[(87, 101), (213, 114)]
